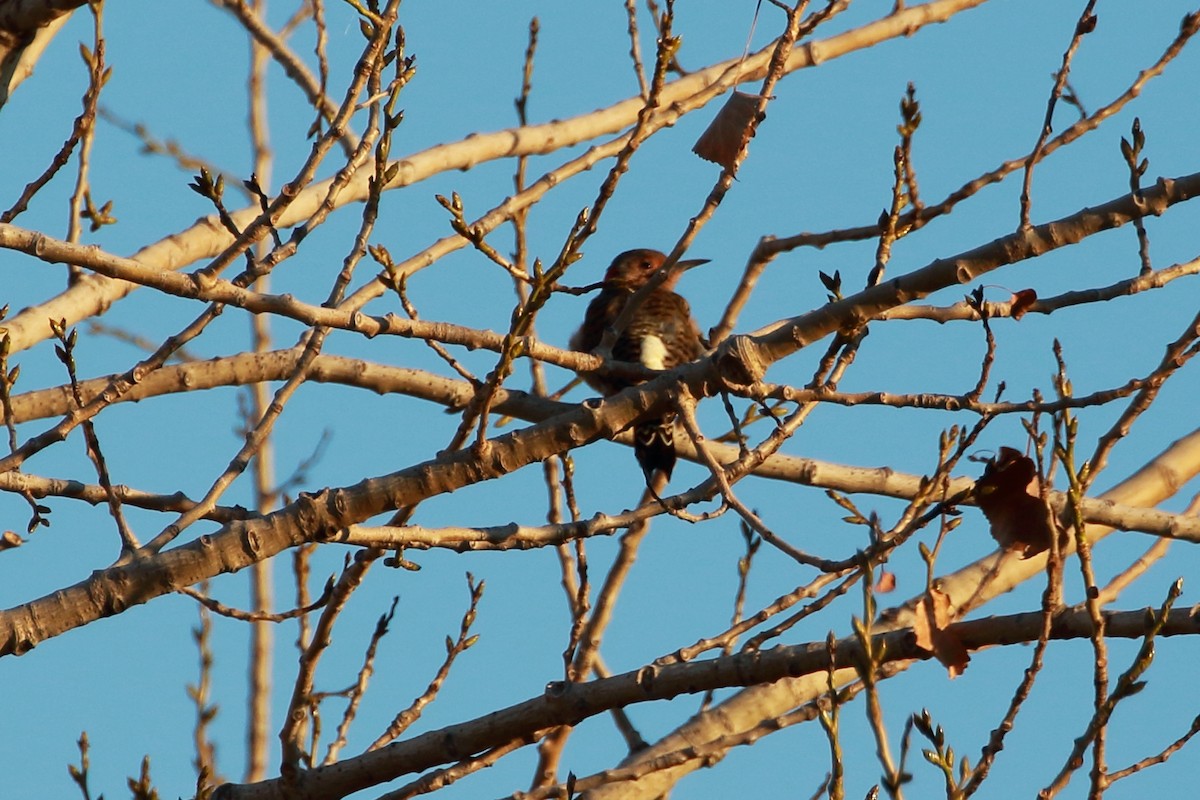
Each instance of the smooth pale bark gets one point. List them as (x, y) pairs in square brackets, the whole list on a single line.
[(740, 360), (93, 294), (978, 583), (776, 695)]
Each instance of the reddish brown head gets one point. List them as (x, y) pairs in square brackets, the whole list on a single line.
[(631, 269)]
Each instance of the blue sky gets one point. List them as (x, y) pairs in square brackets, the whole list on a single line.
[(821, 160)]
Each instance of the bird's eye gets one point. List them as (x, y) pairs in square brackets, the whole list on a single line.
[(647, 265)]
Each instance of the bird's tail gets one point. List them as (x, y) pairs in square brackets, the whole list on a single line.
[(654, 446)]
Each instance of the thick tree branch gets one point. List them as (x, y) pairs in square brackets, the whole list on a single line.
[(740, 360), (967, 588), (571, 703), (207, 238), (253, 368), (787, 336), (743, 360)]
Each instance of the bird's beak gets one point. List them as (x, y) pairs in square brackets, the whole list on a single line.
[(689, 263)]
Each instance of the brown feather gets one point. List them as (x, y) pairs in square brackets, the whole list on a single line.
[(661, 335)]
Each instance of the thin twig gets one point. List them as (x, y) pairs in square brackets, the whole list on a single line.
[(454, 649), (1085, 25)]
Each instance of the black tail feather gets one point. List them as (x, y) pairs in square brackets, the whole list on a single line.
[(654, 446)]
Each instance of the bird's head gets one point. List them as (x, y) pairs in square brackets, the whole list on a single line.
[(633, 268)]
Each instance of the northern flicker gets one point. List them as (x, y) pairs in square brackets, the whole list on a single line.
[(661, 335)]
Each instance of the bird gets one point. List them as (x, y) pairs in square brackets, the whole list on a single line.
[(661, 335)]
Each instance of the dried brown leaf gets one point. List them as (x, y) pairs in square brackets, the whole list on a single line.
[(1008, 495), (730, 130), (1021, 302), (932, 618), (886, 582)]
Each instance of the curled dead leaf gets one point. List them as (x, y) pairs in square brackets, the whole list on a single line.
[(725, 137), (1021, 302), (886, 582), (1008, 494), (931, 621)]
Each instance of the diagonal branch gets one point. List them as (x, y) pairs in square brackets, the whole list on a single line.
[(569, 703), (207, 238)]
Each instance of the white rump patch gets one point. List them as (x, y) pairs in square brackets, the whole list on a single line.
[(654, 353)]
